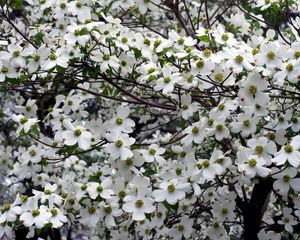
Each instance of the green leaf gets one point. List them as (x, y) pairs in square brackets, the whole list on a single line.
[(34, 130), (60, 69), (14, 81), (84, 31), (149, 172), (94, 179), (38, 38), (172, 59), (15, 4), (204, 38), (68, 149), (22, 133), (106, 91), (171, 207), (137, 53)]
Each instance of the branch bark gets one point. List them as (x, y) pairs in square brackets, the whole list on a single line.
[(254, 210)]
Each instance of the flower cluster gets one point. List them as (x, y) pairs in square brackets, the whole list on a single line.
[(152, 119)]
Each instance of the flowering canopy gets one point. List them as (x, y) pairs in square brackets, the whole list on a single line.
[(150, 119)]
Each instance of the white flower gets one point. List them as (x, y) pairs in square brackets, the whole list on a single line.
[(295, 124), (289, 152), (57, 218), (219, 130), (183, 229), (203, 67), (121, 122), (71, 102), (252, 89), (239, 20), (172, 191), (119, 146), (262, 235), (216, 229), (9, 212), (138, 206), (145, 5), (290, 71), (49, 195), (144, 44), (105, 59), (195, 133), (78, 9), (153, 153), (223, 37), (251, 165), (288, 220), (6, 70), (90, 216), (167, 81), (222, 75), (262, 148), (264, 4), (74, 35), (37, 58), (109, 211), (16, 55), (35, 215), (25, 123), (238, 60), (285, 180), (75, 135), (245, 124), (188, 107), (33, 154), (6, 230), (181, 42), (219, 158), (268, 56), (29, 110), (208, 168), (224, 210), (94, 189), (55, 59)]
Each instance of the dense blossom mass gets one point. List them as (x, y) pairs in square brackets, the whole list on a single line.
[(150, 119)]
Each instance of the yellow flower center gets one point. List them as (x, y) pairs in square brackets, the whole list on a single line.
[(195, 130), (119, 121), (167, 79), (219, 77), (139, 203), (77, 132), (35, 212), (119, 143), (253, 89), (288, 148), (239, 59), (225, 37), (270, 55), (286, 178), (289, 67), (259, 149), (205, 163), (246, 122), (200, 63), (252, 162), (171, 188), (219, 127)]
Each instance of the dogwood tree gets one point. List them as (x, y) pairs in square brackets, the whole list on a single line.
[(150, 119)]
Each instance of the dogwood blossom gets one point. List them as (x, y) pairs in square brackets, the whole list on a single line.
[(75, 135), (289, 153), (138, 119)]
